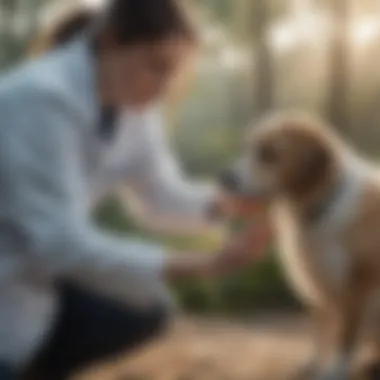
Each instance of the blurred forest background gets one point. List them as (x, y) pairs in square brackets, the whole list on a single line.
[(319, 55)]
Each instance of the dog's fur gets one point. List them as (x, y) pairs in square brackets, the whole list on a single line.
[(325, 201)]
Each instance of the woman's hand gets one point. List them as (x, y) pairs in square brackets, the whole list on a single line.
[(243, 249)]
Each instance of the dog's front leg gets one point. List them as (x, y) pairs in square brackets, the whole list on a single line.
[(321, 341), (349, 314)]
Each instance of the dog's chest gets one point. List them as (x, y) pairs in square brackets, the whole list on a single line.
[(314, 261)]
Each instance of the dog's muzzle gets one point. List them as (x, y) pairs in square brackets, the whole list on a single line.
[(231, 182)]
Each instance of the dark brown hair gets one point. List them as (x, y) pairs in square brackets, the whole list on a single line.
[(136, 21), (72, 25), (127, 21), (63, 28)]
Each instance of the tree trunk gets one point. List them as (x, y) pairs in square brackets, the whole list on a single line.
[(337, 108), (241, 18), (263, 78)]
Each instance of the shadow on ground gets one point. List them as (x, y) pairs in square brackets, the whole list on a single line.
[(266, 349)]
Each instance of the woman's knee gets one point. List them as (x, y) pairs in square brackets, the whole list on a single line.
[(94, 328), (161, 317), (104, 331), (144, 326)]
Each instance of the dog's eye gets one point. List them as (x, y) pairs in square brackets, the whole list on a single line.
[(266, 154)]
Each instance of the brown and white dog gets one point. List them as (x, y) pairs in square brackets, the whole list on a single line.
[(325, 202)]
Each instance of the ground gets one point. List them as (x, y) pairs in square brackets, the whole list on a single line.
[(268, 348), (214, 349)]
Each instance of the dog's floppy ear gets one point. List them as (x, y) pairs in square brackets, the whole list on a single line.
[(312, 167)]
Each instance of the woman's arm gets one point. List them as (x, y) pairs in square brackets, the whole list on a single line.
[(44, 203), (159, 194)]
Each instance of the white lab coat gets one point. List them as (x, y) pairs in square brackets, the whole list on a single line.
[(54, 167)]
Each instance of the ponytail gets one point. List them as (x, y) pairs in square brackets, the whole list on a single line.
[(63, 30)]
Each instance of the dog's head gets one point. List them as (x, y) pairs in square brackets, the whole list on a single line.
[(286, 154)]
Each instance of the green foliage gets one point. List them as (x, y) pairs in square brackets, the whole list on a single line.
[(259, 287)]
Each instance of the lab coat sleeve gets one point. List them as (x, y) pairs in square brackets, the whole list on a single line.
[(159, 193), (43, 197)]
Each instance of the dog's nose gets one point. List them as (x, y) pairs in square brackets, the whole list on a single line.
[(228, 180)]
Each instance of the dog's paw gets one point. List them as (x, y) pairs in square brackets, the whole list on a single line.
[(304, 372), (336, 373)]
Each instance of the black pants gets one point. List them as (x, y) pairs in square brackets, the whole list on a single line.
[(6, 372), (92, 328)]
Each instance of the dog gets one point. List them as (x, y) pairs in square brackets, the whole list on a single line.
[(324, 202)]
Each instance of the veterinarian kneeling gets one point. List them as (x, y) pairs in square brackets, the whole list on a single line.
[(71, 294)]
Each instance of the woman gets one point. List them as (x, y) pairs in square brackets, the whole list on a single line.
[(69, 292)]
